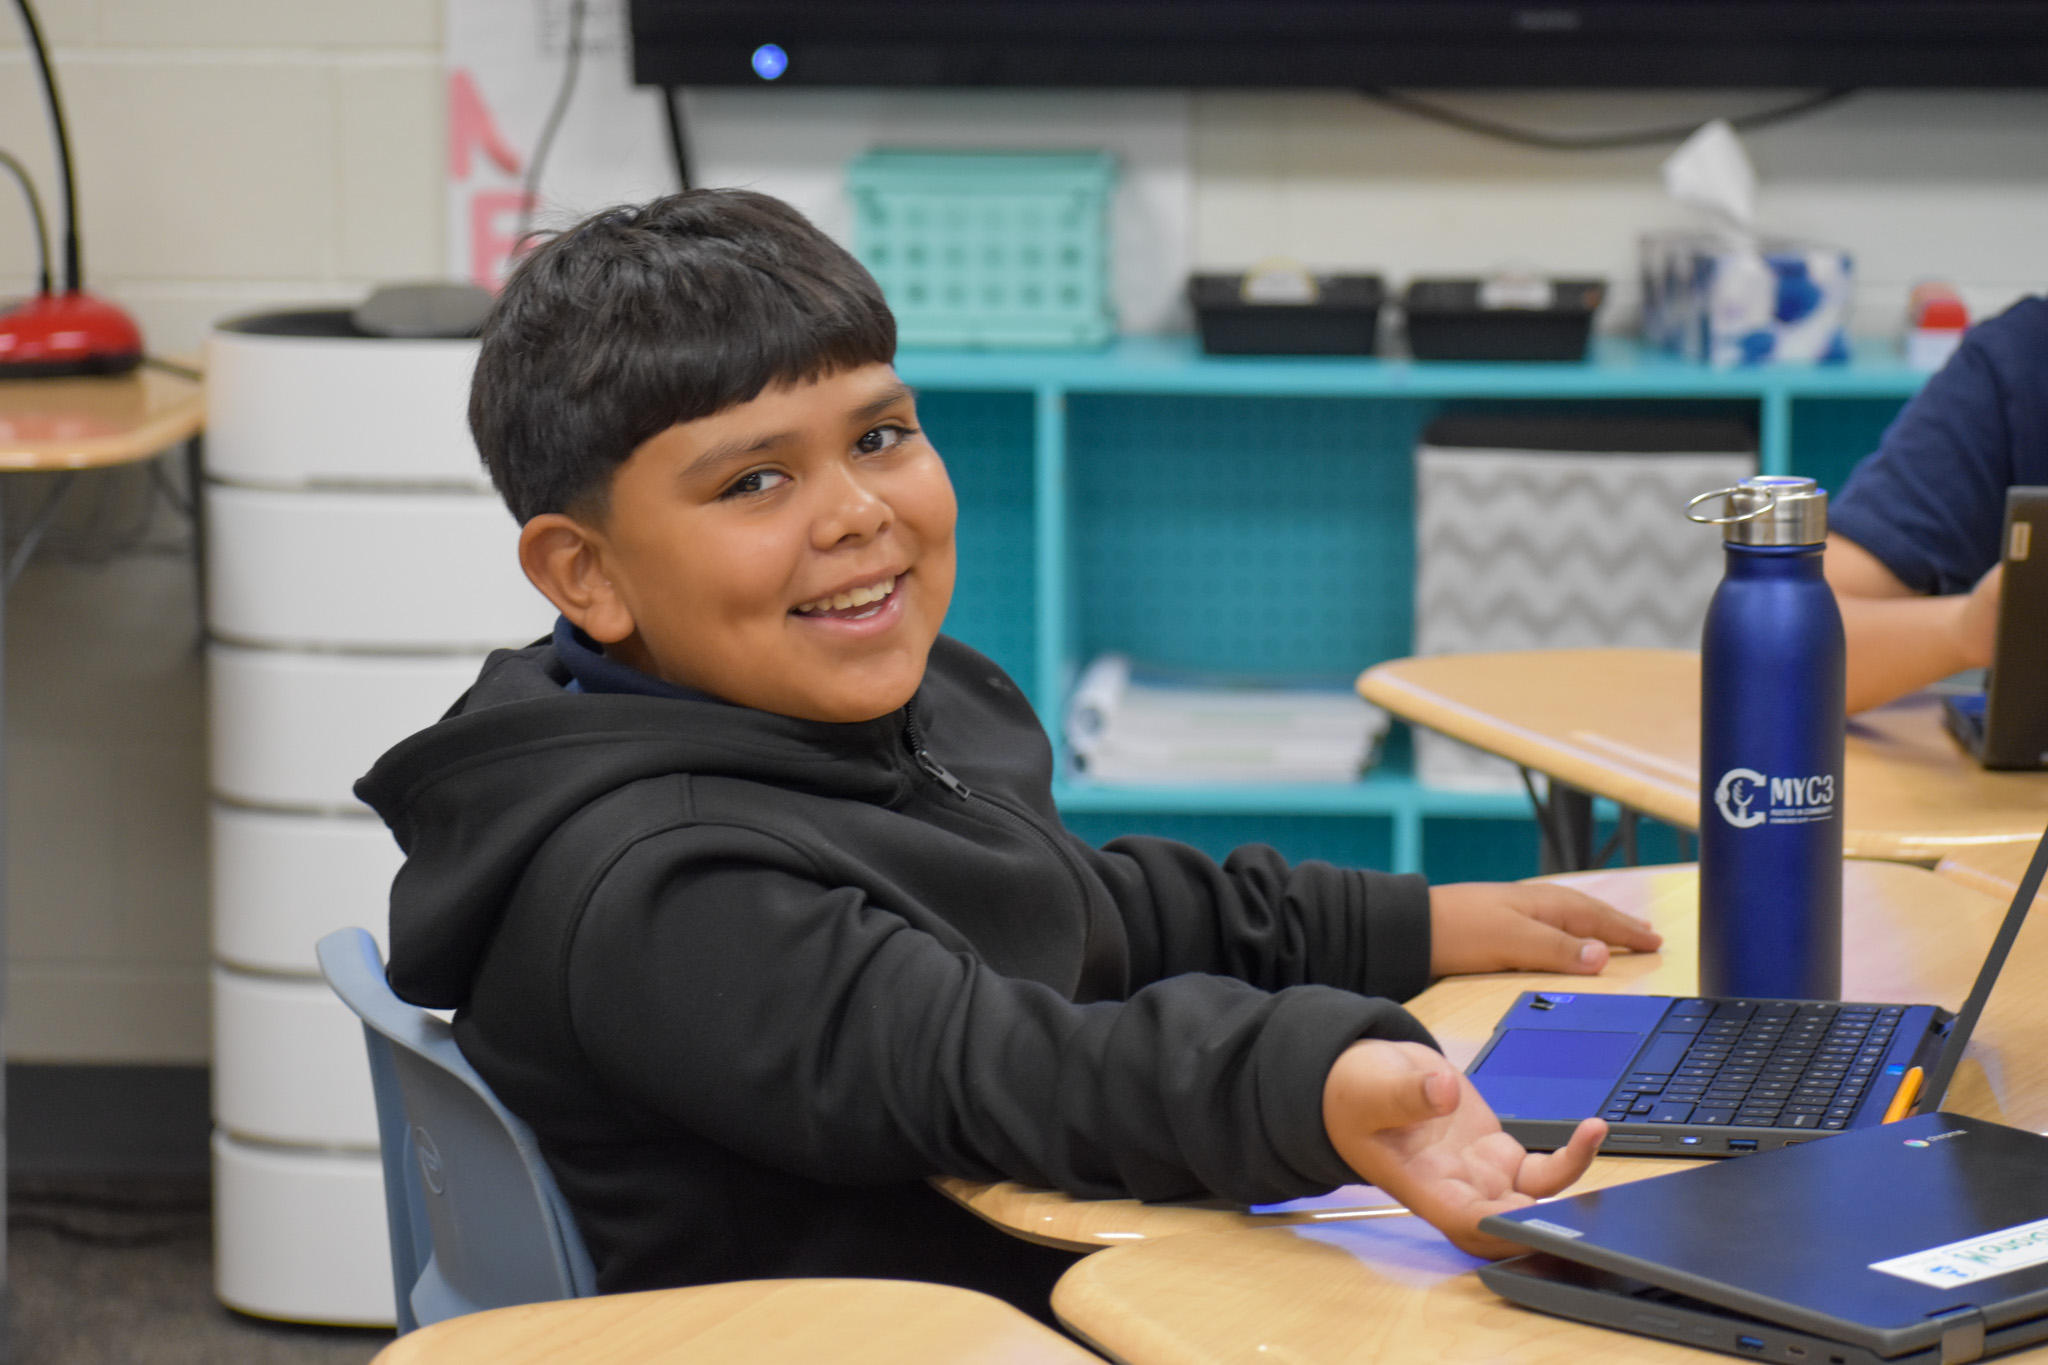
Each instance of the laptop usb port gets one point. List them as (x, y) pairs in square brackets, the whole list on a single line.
[(1754, 1345), (1741, 1144)]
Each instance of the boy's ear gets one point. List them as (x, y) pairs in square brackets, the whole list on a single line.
[(564, 558)]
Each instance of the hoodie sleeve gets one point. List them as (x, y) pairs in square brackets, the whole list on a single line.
[(825, 1035), (1261, 921)]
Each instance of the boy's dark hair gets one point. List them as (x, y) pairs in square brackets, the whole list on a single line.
[(639, 318)]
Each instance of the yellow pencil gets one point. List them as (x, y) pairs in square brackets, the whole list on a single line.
[(1909, 1090)]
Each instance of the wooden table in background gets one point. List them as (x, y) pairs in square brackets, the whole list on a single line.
[(1392, 1288), (762, 1322), (92, 423), (1625, 724), (1995, 870)]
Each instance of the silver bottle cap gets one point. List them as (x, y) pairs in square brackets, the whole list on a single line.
[(1768, 509)]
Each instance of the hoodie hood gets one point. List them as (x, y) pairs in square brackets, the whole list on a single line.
[(472, 798)]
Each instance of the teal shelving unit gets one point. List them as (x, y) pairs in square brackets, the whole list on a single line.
[(1257, 513)]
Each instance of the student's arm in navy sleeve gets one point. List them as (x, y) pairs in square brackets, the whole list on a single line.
[(1929, 502), (1914, 555)]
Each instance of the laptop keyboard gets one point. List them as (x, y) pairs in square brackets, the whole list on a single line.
[(1757, 1064)]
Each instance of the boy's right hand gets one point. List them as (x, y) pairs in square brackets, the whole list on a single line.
[(1405, 1120)]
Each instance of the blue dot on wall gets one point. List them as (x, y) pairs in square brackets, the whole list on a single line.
[(770, 61)]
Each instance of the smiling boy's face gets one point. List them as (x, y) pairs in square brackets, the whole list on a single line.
[(793, 553)]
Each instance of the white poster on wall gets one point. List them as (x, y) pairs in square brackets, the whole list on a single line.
[(506, 61), (506, 65)]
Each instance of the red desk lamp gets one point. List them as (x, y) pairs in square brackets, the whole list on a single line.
[(72, 332)]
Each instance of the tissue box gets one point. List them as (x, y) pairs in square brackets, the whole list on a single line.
[(1729, 302)]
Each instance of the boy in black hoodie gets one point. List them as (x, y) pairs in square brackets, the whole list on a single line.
[(748, 888)]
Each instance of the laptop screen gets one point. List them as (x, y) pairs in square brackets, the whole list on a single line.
[(2009, 935)]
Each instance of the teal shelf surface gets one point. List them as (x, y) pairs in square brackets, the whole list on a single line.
[(1257, 512), (1618, 368), (1375, 794), (1379, 820)]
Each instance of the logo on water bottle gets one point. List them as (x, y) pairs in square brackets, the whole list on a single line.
[(1736, 794), (1746, 798)]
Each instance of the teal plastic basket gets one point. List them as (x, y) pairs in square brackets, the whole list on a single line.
[(988, 249)]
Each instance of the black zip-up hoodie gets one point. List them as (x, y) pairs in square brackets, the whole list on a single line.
[(750, 978)]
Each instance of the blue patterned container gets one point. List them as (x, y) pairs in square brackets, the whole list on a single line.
[(988, 249), (1729, 302)]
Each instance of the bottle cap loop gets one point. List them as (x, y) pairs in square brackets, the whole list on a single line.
[(1728, 521), (1768, 510)]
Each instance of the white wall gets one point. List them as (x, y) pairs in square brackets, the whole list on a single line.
[(236, 154), (233, 154), (1945, 184)]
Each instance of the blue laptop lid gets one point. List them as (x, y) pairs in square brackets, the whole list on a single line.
[(1883, 1237)]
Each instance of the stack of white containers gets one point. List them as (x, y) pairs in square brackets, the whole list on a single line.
[(359, 568)]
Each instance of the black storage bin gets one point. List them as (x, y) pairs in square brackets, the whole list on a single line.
[(1451, 320), (1342, 319)]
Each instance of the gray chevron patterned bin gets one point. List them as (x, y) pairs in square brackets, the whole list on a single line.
[(1558, 532)]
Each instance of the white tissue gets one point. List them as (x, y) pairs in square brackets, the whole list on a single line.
[(1712, 171)]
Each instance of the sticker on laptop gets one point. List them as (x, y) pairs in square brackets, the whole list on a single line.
[(1977, 1258)]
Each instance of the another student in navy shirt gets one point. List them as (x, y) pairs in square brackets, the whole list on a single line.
[(1914, 552)]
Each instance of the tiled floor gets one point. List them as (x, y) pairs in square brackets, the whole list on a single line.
[(119, 1272)]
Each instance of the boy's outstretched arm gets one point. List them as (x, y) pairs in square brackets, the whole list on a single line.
[(1527, 926), (1407, 1121)]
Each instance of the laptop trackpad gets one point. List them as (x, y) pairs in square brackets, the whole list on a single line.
[(1553, 1073)]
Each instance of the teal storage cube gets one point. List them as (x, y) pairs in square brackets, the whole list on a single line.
[(988, 249)]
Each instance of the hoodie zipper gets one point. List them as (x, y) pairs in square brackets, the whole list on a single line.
[(913, 740)]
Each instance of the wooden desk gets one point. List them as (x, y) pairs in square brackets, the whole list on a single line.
[(1624, 724), (1881, 903), (1392, 1288), (1995, 870), (1060, 1220), (92, 423), (762, 1322)]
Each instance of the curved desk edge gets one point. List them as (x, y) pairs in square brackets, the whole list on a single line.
[(772, 1322)]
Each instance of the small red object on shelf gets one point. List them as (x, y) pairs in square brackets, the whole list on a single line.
[(67, 334), (1935, 322)]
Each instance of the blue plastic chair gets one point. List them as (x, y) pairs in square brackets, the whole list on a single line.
[(476, 1219)]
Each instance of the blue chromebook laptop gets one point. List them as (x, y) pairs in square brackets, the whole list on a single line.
[(1716, 1077), (1924, 1240), (1921, 1241)]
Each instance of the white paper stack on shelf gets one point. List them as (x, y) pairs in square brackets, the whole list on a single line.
[(1133, 724)]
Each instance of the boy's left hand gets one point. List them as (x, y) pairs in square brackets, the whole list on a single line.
[(1527, 926), (1405, 1120)]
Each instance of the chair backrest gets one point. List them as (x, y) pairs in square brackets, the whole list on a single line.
[(476, 1219)]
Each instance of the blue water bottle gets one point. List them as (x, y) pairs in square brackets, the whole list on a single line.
[(1771, 723)]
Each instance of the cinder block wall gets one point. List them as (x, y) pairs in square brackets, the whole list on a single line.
[(236, 153), (232, 155)]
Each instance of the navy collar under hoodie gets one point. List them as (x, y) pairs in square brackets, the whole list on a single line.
[(592, 671)]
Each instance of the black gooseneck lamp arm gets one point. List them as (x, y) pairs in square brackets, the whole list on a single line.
[(73, 270), (35, 215)]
